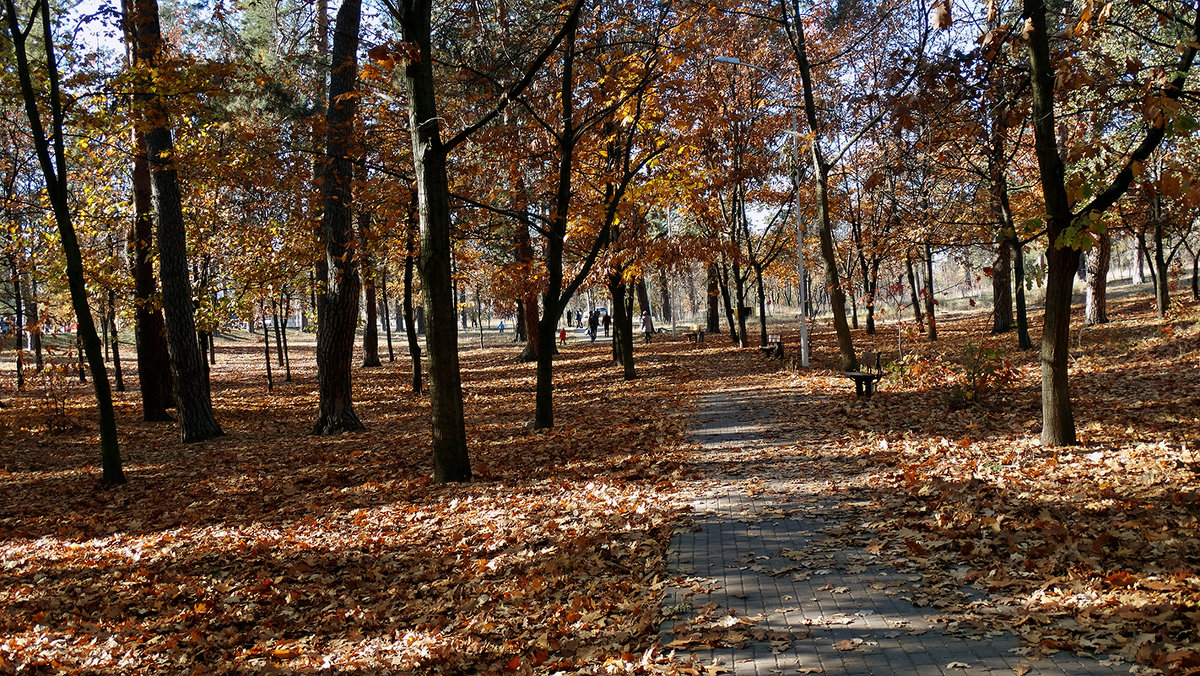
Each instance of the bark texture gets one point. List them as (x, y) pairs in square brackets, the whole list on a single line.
[(188, 369), (337, 272)]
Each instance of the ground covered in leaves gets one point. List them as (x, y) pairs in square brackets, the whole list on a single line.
[(269, 549)]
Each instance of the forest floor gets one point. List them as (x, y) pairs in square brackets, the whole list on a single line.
[(272, 550)]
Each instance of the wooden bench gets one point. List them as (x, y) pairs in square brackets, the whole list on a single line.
[(695, 336), (868, 376), (774, 346)]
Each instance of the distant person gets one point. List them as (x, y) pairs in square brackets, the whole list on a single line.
[(579, 318), (562, 336), (501, 327), (647, 325), (607, 323), (593, 324)]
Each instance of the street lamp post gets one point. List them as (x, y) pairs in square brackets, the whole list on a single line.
[(734, 61)]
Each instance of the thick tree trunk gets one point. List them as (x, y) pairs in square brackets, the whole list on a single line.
[(1002, 300), (622, 323), (188, 370), (450, 459), (713, 313), (1096, 307), (337, 271)]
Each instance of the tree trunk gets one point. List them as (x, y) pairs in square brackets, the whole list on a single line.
[(912, 287), (1196, 274), (118, 374), (1058, 422), (622, 323), (714, 301), (1162, 290), (410, 326), (19, 322), (384, 313), (370, 344), (188, 370), (529, 301), (1002, 300), (1144, 254), (519, 329), (762, 304), (450, 459), (739, 287), (266, 344), (275, 319), (33, 309), (872, 295), (286, 301), (1138, 275), (664, 292), (729, 318), (337, 273), (930, 301), (1096, 307), (55, 173)]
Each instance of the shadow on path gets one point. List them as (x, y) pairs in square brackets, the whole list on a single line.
[(774, 576)]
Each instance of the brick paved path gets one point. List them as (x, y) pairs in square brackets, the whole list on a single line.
[(770, 564)]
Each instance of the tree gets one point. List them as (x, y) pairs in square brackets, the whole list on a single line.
[(54, 170), (1065, 225), (188, 367), (337, 272), (823, 129)]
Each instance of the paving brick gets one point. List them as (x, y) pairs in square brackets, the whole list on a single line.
[(848, 626)]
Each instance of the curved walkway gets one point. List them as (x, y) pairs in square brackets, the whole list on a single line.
[(774, 578)]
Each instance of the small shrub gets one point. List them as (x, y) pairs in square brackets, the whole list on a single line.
[(920, 372), (984, 371)]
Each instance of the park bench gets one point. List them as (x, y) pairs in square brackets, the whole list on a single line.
[(696, 335), (869, 374), (774, 346)]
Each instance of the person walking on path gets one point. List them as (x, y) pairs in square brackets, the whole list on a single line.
[(562, 336), (647, 325), (593, 324), (607, 323)]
